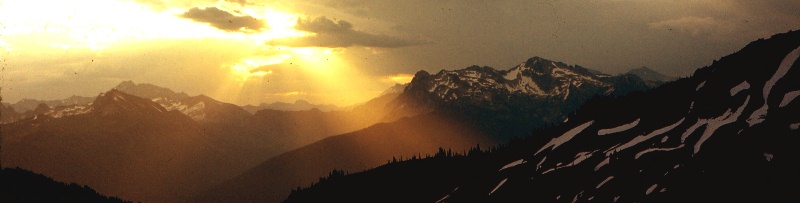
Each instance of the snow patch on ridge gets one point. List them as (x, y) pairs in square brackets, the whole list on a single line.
[(656, 149), (603, 182), (498, 186), (789, 97), (742, 86), (512, 164), (700, 86), (758, 115), (558, 141), (638, 139), (715, 123), (69, 111), (620, 128), (603, 163), (651, 189)]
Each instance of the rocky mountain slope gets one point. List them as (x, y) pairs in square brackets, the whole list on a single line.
[(453, 109), (136, 148), (510, 103), (727, 133), (121, 145)]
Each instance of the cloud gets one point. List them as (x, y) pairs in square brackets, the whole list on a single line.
[(162, 5), (240, 2), (692, 25), (340, 33), (288, 94), (224, 20), (157, 5)]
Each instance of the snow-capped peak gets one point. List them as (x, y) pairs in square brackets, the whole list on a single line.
[(537, 77), (115, 101)]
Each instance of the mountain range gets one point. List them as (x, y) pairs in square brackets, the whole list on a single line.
[(510, 103), (168, 98), (137, 148), (457, 109), (199, 149), (121, 145), (724, 134), (299, 105)]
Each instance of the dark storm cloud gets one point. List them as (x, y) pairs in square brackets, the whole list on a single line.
[(340, 33), (224, 20)]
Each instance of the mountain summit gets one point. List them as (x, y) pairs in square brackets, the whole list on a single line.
[(115, 100), (536, 78), (510, 103), (150, 91)]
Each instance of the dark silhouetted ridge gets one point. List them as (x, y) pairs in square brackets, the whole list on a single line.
[(728, 133), (19, 185)]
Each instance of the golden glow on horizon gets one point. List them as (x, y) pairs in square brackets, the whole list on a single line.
[(94, 29), (93, 24), (252, 67), (402, 78), (97, 24)]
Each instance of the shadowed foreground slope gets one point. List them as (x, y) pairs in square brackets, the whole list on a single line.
[(729, 133), (273, 180), (19, 185)]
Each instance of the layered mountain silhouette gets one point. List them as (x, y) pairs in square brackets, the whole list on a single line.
[(28, 108), (453, 109), (31, 104), (725, 134), (8, 114), (272, 180), (20, 185), (121, 145), (162, 145), (648, 74), (150, 91), (253, 138), (171, 146), (299, 105)]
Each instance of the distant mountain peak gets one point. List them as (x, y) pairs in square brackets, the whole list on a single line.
[(31, 104), (302, 102), (297, 105), (648, 74), (421, 74), (118, 101), (150, 91), (537, 77), (125, 84), (396, 89), (643, 68), (533, 85), (205, 97)]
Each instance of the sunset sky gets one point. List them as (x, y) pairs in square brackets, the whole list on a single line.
[(347, 51)]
